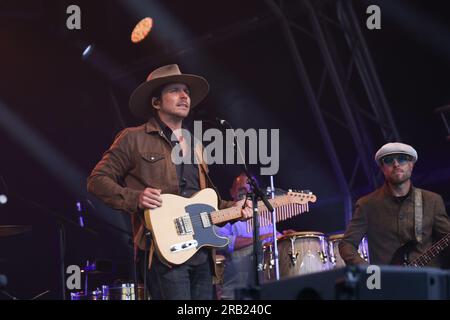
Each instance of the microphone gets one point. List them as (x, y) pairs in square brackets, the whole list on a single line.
[(223, 123)]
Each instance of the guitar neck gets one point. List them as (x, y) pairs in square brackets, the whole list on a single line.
[(232, 213), (431, 253)]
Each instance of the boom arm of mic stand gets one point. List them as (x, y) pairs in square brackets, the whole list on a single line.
[(259, 194), (255, 188), (256, 194)]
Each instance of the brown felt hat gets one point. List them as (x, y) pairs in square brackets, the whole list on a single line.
[(139, 102)]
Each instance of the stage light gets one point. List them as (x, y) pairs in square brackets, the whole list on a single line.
[(3, 199), (86, 53), (141, 30)]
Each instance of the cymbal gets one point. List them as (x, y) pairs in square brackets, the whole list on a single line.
[(11, 230)]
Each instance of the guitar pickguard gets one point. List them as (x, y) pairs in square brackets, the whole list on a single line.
[(204, 235)]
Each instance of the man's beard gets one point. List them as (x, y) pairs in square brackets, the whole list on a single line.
[(396, 181)]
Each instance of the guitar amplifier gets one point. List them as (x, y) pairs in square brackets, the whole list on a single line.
[(361, 283)]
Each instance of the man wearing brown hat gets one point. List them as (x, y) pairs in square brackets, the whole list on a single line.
[(396, 214), (138, 168)]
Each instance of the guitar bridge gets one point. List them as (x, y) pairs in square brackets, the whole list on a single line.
[(183, 225)]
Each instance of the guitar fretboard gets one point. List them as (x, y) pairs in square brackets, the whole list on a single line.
[(431, 253), (282, 213), (286, 206)]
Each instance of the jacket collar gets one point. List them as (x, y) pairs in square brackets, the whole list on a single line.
[(156, 125), (152, 125), (387, 191)]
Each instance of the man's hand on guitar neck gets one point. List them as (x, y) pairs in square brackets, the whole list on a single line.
[(247, 211), (150, 199)]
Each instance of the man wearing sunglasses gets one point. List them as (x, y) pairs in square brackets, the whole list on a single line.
[(395, 214)]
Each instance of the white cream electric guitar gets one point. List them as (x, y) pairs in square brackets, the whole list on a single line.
[(181, 226)]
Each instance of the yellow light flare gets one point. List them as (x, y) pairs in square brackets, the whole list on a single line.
[(141, 30)]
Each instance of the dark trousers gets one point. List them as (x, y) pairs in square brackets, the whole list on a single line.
[(182, 282)]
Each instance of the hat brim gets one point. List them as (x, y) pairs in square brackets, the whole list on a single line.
[(140, 105), (395, 152)]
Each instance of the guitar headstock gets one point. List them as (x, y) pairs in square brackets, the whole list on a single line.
[(301, 196)]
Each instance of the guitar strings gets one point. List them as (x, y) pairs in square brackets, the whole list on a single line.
[(283, 213)]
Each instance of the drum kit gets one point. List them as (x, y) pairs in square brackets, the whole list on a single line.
[(117, 291), (95, 273), (306, 252), (124, 291)]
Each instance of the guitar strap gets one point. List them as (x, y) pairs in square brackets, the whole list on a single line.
[(199, 154), (418, 214)]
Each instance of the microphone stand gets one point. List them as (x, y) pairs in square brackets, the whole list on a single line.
[(274, 231), (255, 194)]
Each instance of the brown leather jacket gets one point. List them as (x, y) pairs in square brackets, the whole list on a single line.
[(139, 158), (389, 224)]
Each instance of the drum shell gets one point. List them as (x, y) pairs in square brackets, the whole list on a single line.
[(299, 253), (94, 295), (335, 256), (125, 291)]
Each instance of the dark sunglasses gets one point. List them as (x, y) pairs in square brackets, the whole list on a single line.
[(401, 159)]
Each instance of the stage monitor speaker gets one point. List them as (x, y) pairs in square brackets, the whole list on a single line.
[(359, 282)]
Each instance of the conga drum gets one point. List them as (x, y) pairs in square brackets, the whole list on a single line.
[(335, 257), (298, 253)]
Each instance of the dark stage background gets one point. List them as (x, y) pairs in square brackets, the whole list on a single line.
[(60, 112)]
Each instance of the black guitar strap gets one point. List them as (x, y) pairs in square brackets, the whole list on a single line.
[(199, 156), (418, 214), (211, 184)]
